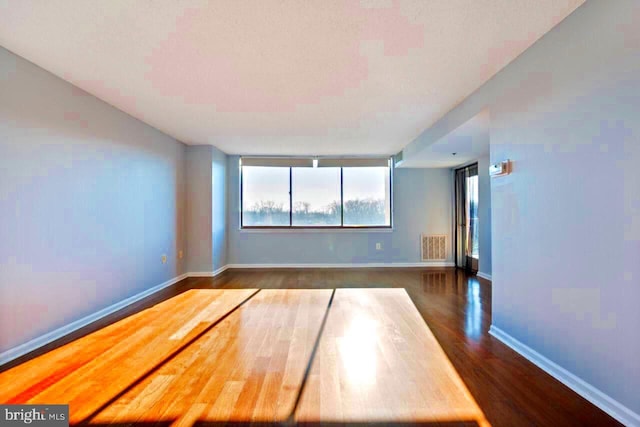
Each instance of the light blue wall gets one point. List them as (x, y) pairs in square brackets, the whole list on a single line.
[(206, 208), (484, 215), (90, 199), (422, 204), (566, 222), (199, 213), (219, 208)]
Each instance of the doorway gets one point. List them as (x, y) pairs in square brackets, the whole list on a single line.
[(466, 213)]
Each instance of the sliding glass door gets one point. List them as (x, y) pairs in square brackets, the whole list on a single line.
[(466, 204)]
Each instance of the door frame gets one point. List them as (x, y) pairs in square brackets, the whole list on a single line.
[(472, 263)]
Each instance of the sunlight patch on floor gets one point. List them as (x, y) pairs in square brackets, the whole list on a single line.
[(211, 356)]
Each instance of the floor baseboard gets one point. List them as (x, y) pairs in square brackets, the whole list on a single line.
[(345, 265), (484, 275), (49, 337), (603, 401), (208, 273)]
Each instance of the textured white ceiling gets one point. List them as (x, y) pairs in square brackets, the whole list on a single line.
[(280, 77)]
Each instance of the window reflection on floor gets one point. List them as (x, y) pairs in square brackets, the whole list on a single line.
[(358, 351), (473, 315)]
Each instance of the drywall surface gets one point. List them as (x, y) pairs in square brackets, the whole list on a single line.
[(422, 204), (206, 208), (90, 199), (199, 213), (484, 215), (566, 222), (219, 208)]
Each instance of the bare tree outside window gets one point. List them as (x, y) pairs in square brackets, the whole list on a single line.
[(316, 196)]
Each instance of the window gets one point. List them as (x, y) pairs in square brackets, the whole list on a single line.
[(472, 217), (323, 193), (366, 195), (316, 196), (466, 217), (265, 198)]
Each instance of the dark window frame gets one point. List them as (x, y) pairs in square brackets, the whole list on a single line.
[(455, 207), (319, 227)]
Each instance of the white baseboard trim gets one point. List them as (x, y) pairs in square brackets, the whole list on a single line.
[(208, 273), (603, 401), (484, 275), (49, 337), (345, 265), (221, 270)]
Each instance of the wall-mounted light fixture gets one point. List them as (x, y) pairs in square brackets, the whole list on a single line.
[(500, 169)]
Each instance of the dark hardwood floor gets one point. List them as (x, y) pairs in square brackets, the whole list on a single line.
[(457, 308)]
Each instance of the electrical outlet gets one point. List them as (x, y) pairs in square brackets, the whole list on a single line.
[(180, 254), (164, 259), (378, 246)]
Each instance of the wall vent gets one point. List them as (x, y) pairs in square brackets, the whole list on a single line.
[(434, 247)]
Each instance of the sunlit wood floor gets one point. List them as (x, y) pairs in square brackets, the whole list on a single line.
[(302, 346)]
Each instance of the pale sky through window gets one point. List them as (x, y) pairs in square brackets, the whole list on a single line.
[(365, 183), (265, 183), (319, 184)]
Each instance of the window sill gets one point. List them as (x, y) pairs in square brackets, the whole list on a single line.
[(318, 230)]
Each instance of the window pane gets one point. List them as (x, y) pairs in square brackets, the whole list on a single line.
[(316, 196), (265, 196), (472, 217), (367, 196)]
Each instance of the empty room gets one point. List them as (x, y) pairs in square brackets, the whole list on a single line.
[(342, 213)]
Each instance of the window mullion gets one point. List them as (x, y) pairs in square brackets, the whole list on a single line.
[(341, 200), (290, 197)]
